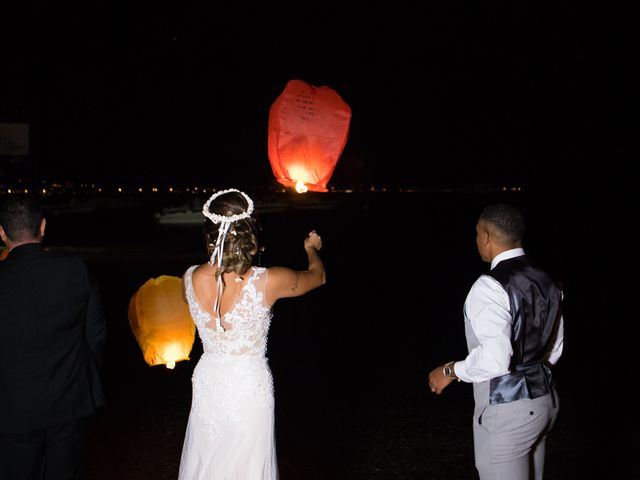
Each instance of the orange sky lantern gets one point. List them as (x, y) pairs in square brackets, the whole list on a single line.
[(308, 129), (160, 320)]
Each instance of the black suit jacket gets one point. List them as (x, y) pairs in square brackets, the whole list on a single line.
[(52, 337)]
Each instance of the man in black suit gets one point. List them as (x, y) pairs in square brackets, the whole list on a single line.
[(52, 337)]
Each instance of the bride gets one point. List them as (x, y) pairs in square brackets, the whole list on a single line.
[(230, 432)]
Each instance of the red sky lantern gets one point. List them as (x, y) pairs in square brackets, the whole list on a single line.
[(308, 129)]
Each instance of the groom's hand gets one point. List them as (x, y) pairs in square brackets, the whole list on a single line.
[(437, 381)]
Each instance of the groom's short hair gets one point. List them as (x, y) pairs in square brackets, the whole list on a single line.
[(507, 218)]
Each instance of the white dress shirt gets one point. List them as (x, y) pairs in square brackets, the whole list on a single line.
[(487, 310)]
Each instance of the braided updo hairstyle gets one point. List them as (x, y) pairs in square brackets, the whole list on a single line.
[(241, 242)]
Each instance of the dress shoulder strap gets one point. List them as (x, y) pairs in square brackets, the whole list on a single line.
[(258, 279), (188, 278)]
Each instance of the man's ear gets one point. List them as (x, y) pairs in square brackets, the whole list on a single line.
[(485, 236), (3, 235), (43, 225), (489, 236)]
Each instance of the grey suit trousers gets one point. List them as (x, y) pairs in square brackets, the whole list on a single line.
[(509, 438)]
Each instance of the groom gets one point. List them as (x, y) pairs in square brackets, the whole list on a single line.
[(514, 329), (52, 336)]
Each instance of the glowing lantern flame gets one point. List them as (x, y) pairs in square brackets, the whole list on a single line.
[(160, 320), (301, 187), (308, 130), (172, 354)]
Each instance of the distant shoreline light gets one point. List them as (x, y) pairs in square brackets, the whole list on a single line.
[(71, 188)]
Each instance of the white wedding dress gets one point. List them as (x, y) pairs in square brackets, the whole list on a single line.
[(230, 432)]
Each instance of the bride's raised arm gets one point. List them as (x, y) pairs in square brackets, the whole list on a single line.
[(286, 282)]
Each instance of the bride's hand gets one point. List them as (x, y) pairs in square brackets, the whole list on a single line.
[(313, 240)]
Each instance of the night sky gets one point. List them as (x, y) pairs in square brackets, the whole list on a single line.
[(470, 93)]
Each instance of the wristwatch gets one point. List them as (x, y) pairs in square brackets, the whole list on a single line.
[(448, 371)]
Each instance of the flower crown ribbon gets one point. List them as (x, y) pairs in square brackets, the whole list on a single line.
[(225, 222)]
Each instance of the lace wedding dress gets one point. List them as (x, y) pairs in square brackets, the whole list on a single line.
[(230, 432)]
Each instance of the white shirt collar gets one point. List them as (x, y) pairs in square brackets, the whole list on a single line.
[(506, 255)]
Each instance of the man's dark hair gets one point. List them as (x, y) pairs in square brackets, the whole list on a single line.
[(507, 218), (20, 216)]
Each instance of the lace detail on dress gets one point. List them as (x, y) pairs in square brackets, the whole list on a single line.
[(219, 397), (233, 370), (249, 320)]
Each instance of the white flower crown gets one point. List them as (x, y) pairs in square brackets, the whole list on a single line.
[(215, 218)]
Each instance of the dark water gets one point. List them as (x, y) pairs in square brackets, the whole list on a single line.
[(350, 359)]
